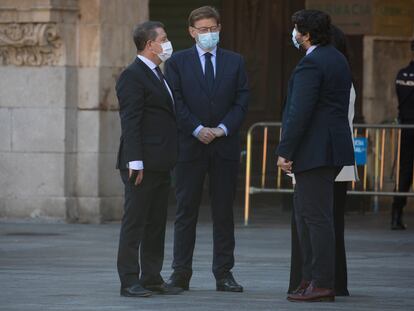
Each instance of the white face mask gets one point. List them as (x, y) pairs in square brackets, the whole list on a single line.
[(294, 40), (167, 51)]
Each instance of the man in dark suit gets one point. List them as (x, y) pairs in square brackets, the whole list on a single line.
[(316, 142), (404, 85), (211, 96), (149, 140)]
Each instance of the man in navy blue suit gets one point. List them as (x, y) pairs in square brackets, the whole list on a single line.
[(315, 144), (211, 98)]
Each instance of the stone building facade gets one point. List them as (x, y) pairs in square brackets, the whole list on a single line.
[(59, 125), (59, 60)]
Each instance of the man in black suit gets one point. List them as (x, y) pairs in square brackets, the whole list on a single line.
[(211, 93), (316, 142), (149, 140)]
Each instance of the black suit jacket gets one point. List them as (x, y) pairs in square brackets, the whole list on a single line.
[(149, 131), (195, 106), (315, 130)]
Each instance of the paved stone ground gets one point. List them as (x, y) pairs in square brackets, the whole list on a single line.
[(52, 266)]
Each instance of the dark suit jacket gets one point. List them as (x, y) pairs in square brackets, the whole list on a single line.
[(149, 131), (315, 130), (195, 106)]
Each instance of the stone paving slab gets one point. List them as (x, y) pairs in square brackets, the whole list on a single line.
[(56, 267)]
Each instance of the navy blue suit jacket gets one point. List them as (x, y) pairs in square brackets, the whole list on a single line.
[(195, 106), (315, 129)]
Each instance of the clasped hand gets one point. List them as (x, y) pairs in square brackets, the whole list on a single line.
[(285, 164), (207, 134)]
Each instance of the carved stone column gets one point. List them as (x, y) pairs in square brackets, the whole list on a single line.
[(30, 44), (38, 87), (59, 125)]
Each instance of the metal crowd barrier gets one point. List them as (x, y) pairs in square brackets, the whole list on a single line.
[(379, 176)]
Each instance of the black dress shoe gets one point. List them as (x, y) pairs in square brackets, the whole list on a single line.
[(397, 222), (398, 225), (178, 281), (228, 284), (164, 289), (135, 291)]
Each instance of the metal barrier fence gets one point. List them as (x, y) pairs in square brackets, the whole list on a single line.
[(383, 159)]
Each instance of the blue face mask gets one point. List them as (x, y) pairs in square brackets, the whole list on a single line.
[(209, 40), (294, 40)]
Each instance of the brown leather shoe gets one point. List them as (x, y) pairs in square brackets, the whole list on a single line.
[(301, 288), (313, 294)]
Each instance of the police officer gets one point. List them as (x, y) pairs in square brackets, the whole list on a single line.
[(405, 93)]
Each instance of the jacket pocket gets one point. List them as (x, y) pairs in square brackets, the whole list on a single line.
[(342, 147)]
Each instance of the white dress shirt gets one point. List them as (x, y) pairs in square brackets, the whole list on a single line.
[(311, 48), (202, 56), (139, 165), (152, 66), (350, 172)]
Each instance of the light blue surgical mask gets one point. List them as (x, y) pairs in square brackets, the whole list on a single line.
[(209, 40), (294, 40)]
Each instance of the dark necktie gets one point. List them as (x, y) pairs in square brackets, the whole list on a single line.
[(160, 75), (162, 79), (209, 71)]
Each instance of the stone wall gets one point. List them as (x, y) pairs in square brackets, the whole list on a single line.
[(383, 58), (59, 125)]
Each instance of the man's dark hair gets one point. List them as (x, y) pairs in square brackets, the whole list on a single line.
[(145, 32), (315, 23), (202, 13)]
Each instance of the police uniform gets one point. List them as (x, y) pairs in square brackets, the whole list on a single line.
[(405, 93)]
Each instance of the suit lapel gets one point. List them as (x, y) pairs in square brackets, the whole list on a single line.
[(196, 64), (151, 76), (220, 65)]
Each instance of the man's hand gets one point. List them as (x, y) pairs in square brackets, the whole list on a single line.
[(137, 176), (218, 132), (206, 135), (284, 164)]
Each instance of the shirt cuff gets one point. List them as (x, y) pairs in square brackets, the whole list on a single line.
[(136, 165), (224, 128), (197, 130)]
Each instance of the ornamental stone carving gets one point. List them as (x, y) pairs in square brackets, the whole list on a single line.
[(29, 44)]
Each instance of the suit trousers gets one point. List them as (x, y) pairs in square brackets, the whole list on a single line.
[(341, 275), (313, 205), (406, 166), (142, 237), (190, 177)]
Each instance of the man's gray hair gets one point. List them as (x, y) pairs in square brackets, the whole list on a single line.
[(145, 32)]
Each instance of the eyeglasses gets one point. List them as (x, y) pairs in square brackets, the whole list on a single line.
[(207, 29)]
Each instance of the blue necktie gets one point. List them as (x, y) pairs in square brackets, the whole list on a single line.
[(209, 72)]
